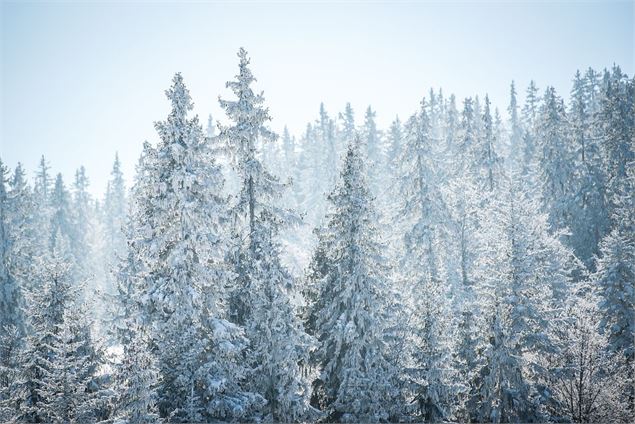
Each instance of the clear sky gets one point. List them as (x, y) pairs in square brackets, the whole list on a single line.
[(81, 80)]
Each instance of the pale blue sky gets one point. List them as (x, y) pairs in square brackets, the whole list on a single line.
[(83, 80)]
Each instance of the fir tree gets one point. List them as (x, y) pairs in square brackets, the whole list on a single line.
[(615, 282), (422, 210), (181, 215), (555, 159), (263, 285), (589, 220), (138, 378), (515, 139), (356, 381), (374, 151)]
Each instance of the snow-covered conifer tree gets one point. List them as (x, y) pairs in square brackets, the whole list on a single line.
[(178, 237), (374, 151), (356, 381), (524, 276), (487, 160), (555, 159), (83, 220), (11, 314), (617, 125), (57, 364), (422, 211), (589, 218), (395, 147), (615, 283), (529, 120), (42, 193), (137, 380), (348, 128), (61, 226), (588, 382), (515, 137), (263, 286), (114, 216)]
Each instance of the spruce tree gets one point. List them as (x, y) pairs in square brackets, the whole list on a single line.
[(515, 137), (262, 285), (356, 381), (137, 380), (555, 160), (422, 211), (374, 151), (617, 124), (58, 363), (178, 236), (589, 218), (615, 282)]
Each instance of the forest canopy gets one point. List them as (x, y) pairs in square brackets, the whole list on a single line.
[(465, 264)]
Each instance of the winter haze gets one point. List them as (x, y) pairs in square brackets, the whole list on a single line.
[(381, 54)]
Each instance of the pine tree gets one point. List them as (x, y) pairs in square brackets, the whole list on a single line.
[(42, 193), (257, 186), (179, 216), (466, 361), (55, 365), (529, 119), (10, 284), (487, 160), (280, 347), (114, 221), (589, 220), (451, 124), (524, 278), (463, 202), (12, 325), (69, 382), (356, 381), (615, 282), (330, 162), (319, 163), (348, 127), (467, 138), (83, 221), (422, 210), (395, 146), (515, 140), (372, 140), (263, 285), (138, 378), (555, 160), (499, 390), (115, 210), (61, 223), (288, 154), (616, 122)]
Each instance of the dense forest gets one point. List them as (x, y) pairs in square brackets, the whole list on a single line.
[(464, 264)]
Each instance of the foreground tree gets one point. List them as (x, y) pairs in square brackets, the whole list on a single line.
[(263, 286), (356, 381), (179, 216)]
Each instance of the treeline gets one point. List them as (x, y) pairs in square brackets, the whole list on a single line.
[(460, 266)]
